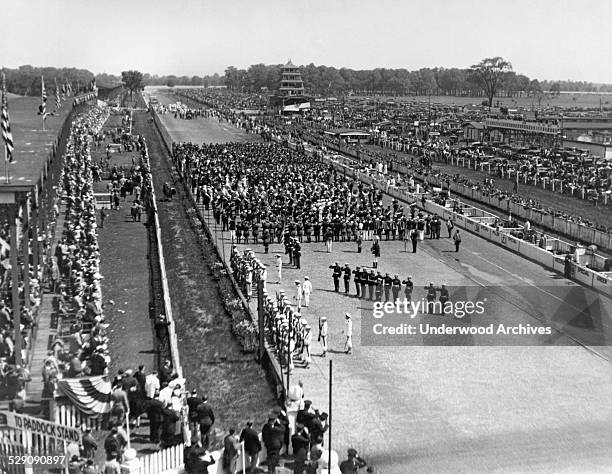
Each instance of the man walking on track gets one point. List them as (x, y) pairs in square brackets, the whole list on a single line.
[(348, 331), (323, 334), (457, 239)]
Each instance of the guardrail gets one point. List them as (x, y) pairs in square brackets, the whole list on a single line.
[(550, 222), (596, 280), (174, 352)]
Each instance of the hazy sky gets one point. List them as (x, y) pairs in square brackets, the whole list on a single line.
[(544, 39)]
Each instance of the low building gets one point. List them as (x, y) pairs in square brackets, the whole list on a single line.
[(473, 131), (349, 134)]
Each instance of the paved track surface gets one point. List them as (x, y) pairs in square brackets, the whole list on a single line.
[(458, 409)]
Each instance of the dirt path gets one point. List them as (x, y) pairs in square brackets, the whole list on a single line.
[(211, 358)]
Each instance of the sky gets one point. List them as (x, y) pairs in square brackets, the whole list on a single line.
[(543, 39)]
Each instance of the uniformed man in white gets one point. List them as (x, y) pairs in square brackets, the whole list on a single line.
[(348, 332), (279, 268), (307, 290)]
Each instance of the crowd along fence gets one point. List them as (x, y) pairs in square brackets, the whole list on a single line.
[(563, 226)]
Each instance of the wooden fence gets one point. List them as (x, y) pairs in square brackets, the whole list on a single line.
[(65, 413)]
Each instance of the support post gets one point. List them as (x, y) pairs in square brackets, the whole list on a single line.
[(15, 281), (260, 319)]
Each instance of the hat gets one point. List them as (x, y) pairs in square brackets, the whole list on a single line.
[(347, 315), (297, 281), (306, 278), (323, 318), (409, 277)]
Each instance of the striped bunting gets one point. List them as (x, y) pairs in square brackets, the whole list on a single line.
[(91, 395)]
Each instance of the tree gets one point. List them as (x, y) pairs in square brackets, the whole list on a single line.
[(555, 89), (490, 73), (133, 80)]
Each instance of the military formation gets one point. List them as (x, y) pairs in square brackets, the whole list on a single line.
[(371, 285), (265, 193)]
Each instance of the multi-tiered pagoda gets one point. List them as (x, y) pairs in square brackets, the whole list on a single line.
[(291, 81), (290, 98)]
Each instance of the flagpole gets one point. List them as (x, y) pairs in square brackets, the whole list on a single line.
[(6, 168)]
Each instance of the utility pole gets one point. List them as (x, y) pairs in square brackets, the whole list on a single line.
[(329, 441)]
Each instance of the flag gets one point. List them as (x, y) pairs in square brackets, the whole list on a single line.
[(58, 100), (5, 124), (91, 395), (42, 108)]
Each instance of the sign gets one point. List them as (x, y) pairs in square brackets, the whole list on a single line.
[(41, 427)]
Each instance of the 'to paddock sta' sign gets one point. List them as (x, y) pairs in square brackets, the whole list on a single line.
[(41, 427)]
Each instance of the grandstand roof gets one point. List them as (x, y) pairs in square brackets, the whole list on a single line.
[(32, 146)]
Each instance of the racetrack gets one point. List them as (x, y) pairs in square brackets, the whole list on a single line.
[(457, 409)]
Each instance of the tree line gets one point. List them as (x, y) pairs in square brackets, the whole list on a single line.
[(323, 80), (25, 80), (436, 81)]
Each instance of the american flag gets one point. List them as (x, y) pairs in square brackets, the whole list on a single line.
[(5, 124), (42, 108), (58, 100)]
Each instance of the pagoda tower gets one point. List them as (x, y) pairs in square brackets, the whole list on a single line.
[(291, 81)]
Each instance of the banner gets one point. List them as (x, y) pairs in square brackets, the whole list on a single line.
[(92, 396)]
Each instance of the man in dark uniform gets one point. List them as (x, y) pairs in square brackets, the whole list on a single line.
[(431, 298), (414, 237), (444, 297), (308, 231), (297, 253), (380, 280), (336, 275), (396, 286), (317, 231), (347, 278), (289, 248), (387, 281), (357, 279), (363, 280), (408, 288), (371, 283)]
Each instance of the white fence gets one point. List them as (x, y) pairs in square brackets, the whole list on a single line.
[(171, 461), (65, 413)]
